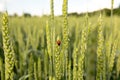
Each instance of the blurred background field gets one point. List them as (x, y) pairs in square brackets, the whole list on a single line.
[(29, 36)]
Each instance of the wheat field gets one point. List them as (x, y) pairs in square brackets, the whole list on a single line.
[(60, 47)]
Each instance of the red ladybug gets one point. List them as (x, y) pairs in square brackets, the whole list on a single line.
[(58, 42)]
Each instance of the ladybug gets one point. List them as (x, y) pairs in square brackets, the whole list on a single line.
[(58, 42)]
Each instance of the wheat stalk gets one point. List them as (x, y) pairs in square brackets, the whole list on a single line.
[(39, 68), (118, 66), (2, 69), (35, 71), (31, 67)]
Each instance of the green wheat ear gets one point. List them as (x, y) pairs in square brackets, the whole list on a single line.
[(8, 48), (57, 62), (100, 55), (65, 36)]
